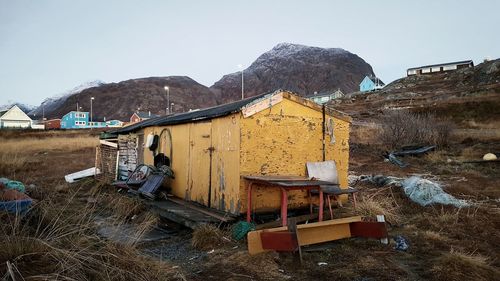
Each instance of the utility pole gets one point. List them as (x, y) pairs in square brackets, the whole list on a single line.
[(91, 113), (240, 66), (167, 89)]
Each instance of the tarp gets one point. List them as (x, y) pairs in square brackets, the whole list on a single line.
[(421, 191), (18, 206), (426, 192)]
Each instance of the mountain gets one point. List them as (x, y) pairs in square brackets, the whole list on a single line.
[(24, 107), (294, 67), (298, 68), (120, 100), (50, 105)]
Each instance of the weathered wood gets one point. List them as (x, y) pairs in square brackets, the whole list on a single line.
[(262, 105), (108, 143), (180, 214), (211, 213), (308, 234)]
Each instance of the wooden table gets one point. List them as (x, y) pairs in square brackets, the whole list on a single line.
[(285, 183)]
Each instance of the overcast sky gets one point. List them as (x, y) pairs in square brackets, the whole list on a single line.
[(48, 47)]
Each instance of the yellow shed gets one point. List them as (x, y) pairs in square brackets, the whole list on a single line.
[(272, 134)]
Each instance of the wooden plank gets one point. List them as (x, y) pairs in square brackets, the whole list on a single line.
[(368, 229), (308, 234), (262, 105), (279, 241), (330, 222), (201, 210), (108, 143), (276, 178)]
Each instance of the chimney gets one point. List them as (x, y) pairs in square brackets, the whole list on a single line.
[(104, 118), (149, 113)]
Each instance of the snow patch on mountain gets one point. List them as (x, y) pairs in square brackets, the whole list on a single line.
[(50, 104)]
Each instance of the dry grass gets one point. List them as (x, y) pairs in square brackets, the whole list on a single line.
[(207, 237), (434, 236), (57, 240), (458, 265), (40, 145), (371, 207)]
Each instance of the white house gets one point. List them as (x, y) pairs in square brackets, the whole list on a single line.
[(436, 68), (14, 118)]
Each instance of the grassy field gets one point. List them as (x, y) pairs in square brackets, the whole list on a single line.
[(58, 238)]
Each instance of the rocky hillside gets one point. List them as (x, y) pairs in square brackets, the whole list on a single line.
[(465, 94), (298, 68), (120, 100)]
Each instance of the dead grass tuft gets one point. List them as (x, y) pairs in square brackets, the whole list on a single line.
[(434, 236), (207, 237), (371, 207), (457, 265)]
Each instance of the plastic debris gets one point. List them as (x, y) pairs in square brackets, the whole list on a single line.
[(402, 244), (241, 229), (381, 180), (322, 263), (426, 192)]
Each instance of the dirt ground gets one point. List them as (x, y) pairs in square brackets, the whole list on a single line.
[(445, 243)]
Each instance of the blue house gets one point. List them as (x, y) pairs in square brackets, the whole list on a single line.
[(79, 120), (75, 120), (370, 83)]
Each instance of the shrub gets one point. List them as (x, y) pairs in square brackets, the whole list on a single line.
[(402, 127)]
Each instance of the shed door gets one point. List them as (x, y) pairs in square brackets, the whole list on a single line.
[(200, 152)]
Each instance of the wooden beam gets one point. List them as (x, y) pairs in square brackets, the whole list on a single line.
[(108, 143), (201, 209), (262, 105), (308, 234)]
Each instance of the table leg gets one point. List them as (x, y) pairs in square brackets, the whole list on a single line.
[(310, 202), (249, 202), (329, 206), (284, 207), (321, 201)]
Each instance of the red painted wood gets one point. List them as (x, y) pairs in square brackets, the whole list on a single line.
[(279, 241), (368, 229)]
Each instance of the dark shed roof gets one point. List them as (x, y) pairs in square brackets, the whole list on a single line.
[(196, 115)]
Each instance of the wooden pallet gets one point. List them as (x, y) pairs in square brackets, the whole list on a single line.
[(186, 213)]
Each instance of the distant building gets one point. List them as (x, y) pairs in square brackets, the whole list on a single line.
[(139, 116), (438, 68), (114, 124), (80, 120), (15, 118), (52, 124), (75, 120), (321, 98), (370, 83)]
